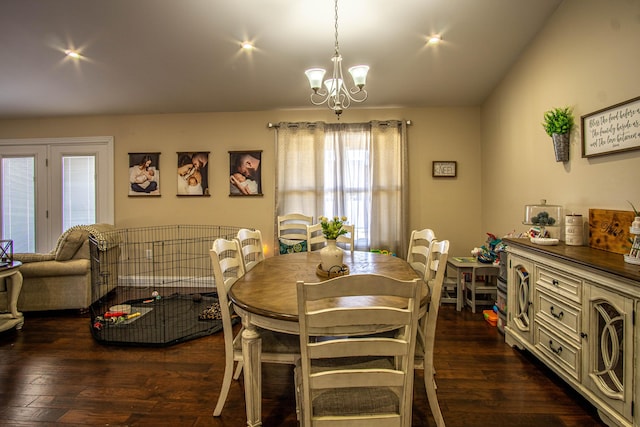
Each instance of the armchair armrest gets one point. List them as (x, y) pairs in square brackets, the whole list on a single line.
[(33, 257), (53, 268)]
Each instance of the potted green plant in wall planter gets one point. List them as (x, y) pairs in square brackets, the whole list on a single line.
[(558, 124)]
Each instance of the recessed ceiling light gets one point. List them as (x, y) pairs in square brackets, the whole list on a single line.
[(72, 53), (435, 39), (247, 45)]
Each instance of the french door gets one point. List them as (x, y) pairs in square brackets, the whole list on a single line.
[(49, 185)]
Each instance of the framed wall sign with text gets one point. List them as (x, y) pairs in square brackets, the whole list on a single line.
[(447, 169), (612, 129)]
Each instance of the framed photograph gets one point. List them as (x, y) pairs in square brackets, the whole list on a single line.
[(612, 129), (193, 173), (245, 174), (445, 168), (144, 174)]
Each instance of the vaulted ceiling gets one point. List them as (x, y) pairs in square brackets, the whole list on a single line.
[(182, 56)]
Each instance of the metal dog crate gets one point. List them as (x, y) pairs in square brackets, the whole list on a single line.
[(151, 284)]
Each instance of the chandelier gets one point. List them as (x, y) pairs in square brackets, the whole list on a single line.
[(337, 95)]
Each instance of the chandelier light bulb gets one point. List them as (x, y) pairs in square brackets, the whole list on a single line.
[(333, 86), (359, 74), (315, 76)]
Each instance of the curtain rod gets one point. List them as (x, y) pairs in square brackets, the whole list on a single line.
[(276, 126)]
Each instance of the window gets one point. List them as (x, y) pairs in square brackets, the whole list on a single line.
[(352, 170), (49, 185), (18, 202), (78, 191)]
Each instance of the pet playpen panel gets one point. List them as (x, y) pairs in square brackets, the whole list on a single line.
[(154, 285)]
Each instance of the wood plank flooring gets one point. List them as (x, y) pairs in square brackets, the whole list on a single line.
[(54, 373)]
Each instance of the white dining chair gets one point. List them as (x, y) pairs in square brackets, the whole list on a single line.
[(418, 252), (226, 258), (351, 379), (435, 275), (292, 232), (347, 239), (251, 246), (315, 237)]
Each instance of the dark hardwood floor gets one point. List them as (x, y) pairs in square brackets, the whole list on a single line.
[(52, 372)]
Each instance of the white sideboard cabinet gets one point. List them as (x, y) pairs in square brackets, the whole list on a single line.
[(574, 308)]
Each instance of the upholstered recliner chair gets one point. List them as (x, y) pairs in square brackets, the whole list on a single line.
[(62, 278)]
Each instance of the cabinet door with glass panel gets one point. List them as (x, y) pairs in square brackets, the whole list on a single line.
[(608, 361), (520, 297)]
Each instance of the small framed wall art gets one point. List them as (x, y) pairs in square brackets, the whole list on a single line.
[(144, 174), (445, 169), (245, 174), (193, 173)]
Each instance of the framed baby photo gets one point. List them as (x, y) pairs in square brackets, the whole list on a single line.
[(245, 173), (193, 173), (144, 174)]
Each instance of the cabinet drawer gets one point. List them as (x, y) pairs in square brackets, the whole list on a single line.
[(559, 315), (564, 284), (560, 352)]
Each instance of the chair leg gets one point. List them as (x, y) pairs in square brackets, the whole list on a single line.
[(473, 298), (226, 383), (296, 382), (238, 371), (430, 386)]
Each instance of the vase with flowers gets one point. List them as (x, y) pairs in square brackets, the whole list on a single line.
[(331, 255)]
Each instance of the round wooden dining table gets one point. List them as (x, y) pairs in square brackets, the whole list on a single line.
[(265, 297)]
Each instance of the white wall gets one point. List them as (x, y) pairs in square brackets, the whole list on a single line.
[(587, 57)]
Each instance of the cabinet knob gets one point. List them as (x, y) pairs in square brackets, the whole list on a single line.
[(555, 282), (583, 335)]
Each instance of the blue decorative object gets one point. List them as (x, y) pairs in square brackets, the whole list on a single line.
[(292, 246)]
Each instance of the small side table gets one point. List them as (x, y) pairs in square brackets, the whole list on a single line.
[(464, 265), (13, 279)]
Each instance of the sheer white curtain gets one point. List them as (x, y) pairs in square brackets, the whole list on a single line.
[(356, 170)]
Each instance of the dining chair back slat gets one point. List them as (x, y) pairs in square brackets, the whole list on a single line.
[(315, 237), (251, 245), (347, 239), (293, 226), (418, 253)]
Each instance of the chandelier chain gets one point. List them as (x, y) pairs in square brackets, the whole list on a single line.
[(336, 26)]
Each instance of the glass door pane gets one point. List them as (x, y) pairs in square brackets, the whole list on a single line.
[(78, 191), (18, 202)]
